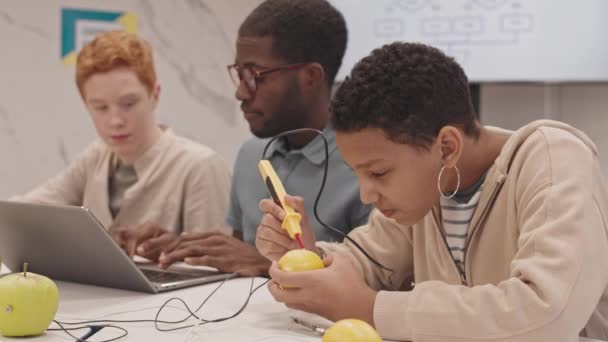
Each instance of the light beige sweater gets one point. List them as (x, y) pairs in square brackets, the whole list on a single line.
[(182, 185), (536, 256)]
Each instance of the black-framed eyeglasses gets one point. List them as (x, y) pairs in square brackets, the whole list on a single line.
[(250, 74)]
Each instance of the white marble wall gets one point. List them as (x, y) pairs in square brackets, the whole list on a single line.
[(43, 123)]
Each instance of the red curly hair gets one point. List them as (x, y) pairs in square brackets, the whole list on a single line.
[(114, 49)]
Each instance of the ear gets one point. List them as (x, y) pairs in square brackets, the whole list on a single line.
[(155, 94), (451, 143), (312, 76)]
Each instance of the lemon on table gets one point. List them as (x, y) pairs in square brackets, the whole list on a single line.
[(351, 330)]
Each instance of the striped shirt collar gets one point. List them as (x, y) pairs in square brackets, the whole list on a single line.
[(465, 195)]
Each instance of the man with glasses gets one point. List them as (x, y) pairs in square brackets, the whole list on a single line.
[(288, 53)]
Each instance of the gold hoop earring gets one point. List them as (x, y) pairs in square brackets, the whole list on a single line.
[(457, 183)]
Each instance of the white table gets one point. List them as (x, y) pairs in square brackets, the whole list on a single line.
[(263, 320)]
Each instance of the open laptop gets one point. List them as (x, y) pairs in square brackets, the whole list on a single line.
[(68, 243)]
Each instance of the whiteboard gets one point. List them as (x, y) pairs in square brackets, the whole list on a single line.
[(493, 40)]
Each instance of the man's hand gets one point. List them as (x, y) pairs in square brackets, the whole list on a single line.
[(221, 251), (147, 240), (336, 292)]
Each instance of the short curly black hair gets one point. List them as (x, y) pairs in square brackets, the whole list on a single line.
[(409, 90), (302, 31)]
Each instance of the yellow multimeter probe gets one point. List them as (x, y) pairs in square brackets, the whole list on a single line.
[(291, 221)]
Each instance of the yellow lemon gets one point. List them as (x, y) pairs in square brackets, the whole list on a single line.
[(351, 330), (299, 260)]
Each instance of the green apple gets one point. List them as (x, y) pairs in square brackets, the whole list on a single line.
[(28, 304), (351, 330)]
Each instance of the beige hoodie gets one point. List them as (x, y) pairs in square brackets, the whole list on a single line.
[(536, 258)]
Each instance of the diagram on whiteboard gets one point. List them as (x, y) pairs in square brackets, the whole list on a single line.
[(494, 40), (455, 29)]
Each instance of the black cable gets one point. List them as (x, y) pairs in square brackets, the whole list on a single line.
[(322, 187), (204, 321), (156, 321), (67, 331)]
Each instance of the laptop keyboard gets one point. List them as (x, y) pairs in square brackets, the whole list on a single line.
[(169, 277)]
